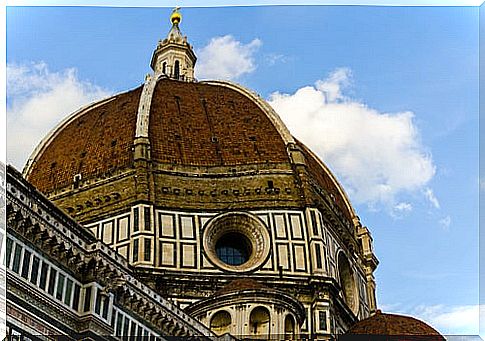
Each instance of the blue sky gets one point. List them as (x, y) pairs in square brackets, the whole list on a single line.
[(409, 74)]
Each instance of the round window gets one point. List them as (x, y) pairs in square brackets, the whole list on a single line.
[(233, 248), (236, 241)]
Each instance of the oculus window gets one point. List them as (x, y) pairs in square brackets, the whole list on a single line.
[(233, 248)]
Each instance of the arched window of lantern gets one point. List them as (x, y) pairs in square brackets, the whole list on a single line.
[(176, 72), (221, 322), (164, 67)]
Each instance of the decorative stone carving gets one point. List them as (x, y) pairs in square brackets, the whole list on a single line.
[(248, 228)]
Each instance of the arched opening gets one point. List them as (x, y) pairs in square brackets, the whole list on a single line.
[(289, 327), (347, 282), (221, 322), (176, 72), (259, 322), (164, 68)]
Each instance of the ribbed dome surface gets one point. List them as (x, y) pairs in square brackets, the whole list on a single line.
[(395, 325), (91, 144), (197, 124), (195, 130), (192, 124), (323, 178)]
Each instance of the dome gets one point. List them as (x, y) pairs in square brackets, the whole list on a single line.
[(201, 187), (191, 124), (394, 325), (93, 141), (197, 130)]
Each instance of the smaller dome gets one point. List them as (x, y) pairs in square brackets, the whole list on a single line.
[(381, 324)]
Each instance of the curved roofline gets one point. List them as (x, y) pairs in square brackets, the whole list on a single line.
[(409, 318), (334, 180), (263, 105), (54, 131)]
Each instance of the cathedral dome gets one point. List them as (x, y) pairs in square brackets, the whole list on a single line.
[(384, 324), (190, 124), (91, 142), (200, 186), (196, 130)]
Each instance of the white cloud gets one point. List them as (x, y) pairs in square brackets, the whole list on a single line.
[(446, 319), (457, 320), (273, 58), (37, 99), (376, 155), (429, 195), (445, 222), (226, 58), (332, 86), (403, 207)]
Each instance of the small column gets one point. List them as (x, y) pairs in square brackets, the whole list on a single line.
[(370, 262)]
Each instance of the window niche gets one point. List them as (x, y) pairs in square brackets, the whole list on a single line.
[(260, 322), (221, 322)]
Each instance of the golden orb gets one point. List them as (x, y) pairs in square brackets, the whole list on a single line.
[(176, 17)]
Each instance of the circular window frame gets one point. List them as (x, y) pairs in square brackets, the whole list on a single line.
[(237, 222)]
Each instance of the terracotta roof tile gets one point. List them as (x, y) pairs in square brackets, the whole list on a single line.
[(406, 327), (206, 125), (323, 179), (94, 143), (190, 124)]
